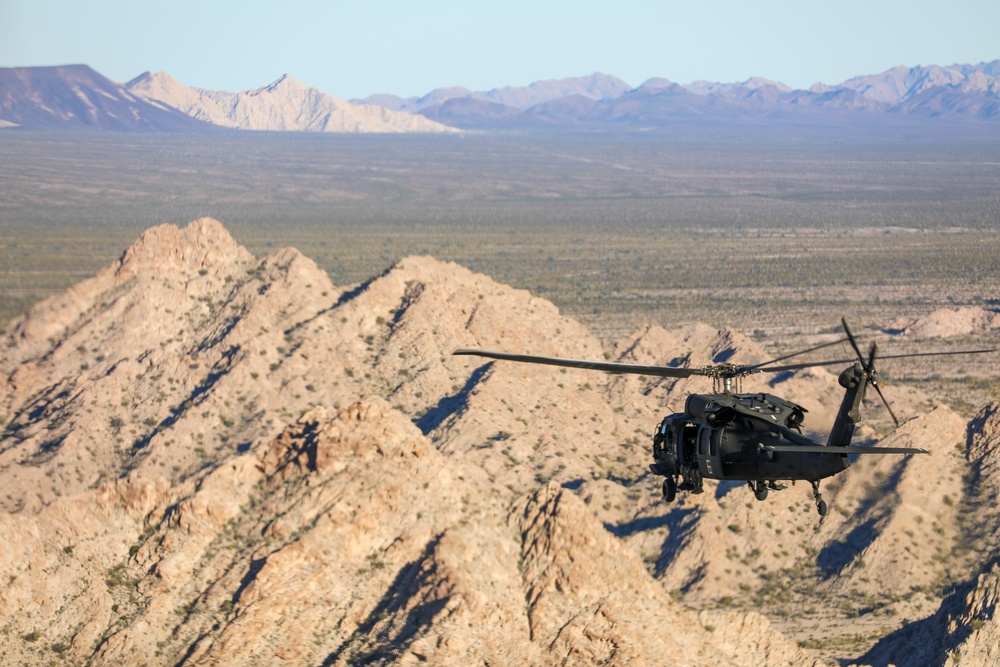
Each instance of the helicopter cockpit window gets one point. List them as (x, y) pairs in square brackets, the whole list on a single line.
[(663, 439)]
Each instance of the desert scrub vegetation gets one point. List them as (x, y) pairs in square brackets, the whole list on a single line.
[(617, 231)]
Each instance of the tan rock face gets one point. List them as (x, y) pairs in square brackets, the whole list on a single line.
[(211, 458)]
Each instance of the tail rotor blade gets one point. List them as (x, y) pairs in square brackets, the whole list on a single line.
[(850, 337), (885, 402), (872, 374)]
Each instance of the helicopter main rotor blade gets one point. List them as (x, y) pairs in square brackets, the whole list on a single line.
[(834, 362), (795, 354), (606, 366)]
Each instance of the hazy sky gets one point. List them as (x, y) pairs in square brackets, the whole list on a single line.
[(357, 47)]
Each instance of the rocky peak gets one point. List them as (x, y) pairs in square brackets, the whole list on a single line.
[(148, 82), (203, 246), (283, 84)]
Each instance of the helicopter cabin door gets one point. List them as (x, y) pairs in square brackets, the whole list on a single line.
[(709, 452)]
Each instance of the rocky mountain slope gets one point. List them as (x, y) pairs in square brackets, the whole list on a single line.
[(75, 97), (285, 105), (213, 458), (900, 85)]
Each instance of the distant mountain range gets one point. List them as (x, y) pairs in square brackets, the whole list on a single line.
[(596, 87), (960, 91), (77, 97)]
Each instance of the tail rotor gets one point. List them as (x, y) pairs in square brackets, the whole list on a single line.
[(871, 373)]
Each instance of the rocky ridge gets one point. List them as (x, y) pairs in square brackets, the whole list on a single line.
[(285, 105), (215, 458), (948, 323)]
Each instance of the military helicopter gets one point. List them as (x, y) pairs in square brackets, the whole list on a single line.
[(756, 438)]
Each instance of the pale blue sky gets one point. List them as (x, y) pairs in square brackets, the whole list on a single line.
[(355, 48)]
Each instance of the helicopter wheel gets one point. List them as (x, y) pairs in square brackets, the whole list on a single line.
[(759, 490), (818, 497), (669, 489)]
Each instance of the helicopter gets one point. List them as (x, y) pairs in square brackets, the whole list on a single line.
[(757, 437)]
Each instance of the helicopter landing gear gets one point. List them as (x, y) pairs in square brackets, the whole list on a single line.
[(759, 489), (669, 489), (818, 497)]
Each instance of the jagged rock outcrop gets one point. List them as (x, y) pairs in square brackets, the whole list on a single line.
[(155, 350), (252, 562), (620, 617), (974, 629)]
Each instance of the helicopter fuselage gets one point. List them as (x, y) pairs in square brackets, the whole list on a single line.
[(756, 438), (734, 436)]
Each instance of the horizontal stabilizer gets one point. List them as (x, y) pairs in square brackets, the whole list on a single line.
[(822, 449)]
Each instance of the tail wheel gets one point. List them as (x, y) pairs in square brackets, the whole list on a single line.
[(759, 489), (818, 497)]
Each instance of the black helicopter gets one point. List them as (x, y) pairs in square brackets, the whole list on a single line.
[(755, 438)]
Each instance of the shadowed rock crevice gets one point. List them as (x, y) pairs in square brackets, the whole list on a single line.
[(680, 524), (221, 368), (927, 641), (453, 405), (639, 525), (877, 506), (410, 605), (361, 288)]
